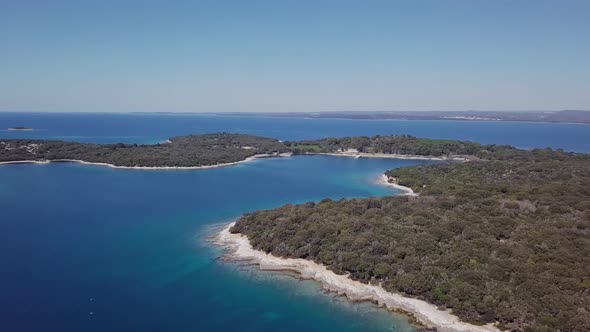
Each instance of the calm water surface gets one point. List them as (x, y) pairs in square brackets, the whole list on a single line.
[(150, 128), (89, 248)]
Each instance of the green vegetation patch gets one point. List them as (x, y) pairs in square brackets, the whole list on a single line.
[(399, 144)]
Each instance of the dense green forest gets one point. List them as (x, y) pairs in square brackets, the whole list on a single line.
[(399, 144), (193, 150), (212, 149), (505, 239)]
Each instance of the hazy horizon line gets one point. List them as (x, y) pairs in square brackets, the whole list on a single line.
[(302, 112)]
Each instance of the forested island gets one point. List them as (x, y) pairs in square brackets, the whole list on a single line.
[(502, 239), (183, 151), (224, 148)]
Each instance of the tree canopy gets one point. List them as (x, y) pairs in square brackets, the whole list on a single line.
[(212, 149), (397, 144)]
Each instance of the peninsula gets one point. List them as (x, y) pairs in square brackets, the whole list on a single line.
[(502, 242)]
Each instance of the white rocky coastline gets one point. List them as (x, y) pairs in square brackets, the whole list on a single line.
[(239, 248), (156, 168), (388, 155), (339, 154)]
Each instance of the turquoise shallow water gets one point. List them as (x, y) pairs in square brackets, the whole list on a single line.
[(92, 248), (89, 248)]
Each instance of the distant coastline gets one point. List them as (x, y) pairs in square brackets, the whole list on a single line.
[(563, 116), (240, 249)]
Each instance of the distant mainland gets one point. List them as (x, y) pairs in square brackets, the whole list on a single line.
[(566, 116)]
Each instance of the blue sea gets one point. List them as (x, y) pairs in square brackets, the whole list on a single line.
[(155, 128), (90, 248)]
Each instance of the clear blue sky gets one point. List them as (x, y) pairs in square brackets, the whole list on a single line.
[(318, 55)]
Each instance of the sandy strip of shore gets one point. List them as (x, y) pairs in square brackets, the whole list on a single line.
[(386, 155), (143, 167), (406, 191), (25, 162), (429, 315)]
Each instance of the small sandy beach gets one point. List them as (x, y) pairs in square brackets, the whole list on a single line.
[(384, 181)]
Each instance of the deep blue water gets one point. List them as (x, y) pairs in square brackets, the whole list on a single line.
[(89, 248), (129, 246), (150, 128)]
